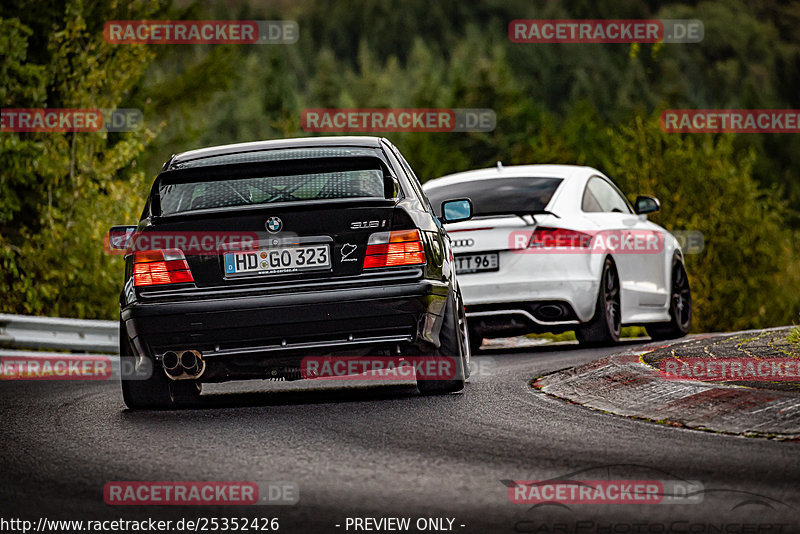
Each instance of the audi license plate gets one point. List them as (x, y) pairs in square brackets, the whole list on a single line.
[(475, 263), (278, 260)]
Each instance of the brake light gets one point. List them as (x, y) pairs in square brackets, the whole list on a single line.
[(392, 249), (545, 237), (156, 267)]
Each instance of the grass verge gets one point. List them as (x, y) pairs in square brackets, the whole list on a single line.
[(794, 336)]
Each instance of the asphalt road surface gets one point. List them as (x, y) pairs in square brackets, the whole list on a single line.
[(385, 451)]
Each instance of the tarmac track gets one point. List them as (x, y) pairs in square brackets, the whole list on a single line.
[(384, 451)]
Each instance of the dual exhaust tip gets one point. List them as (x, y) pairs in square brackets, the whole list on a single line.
[(183, 364)]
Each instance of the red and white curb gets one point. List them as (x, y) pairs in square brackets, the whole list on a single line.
[(624, 385)]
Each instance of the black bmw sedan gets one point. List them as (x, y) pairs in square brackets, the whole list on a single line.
[(275, 259)]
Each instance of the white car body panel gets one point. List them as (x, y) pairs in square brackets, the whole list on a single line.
[(574, 277)]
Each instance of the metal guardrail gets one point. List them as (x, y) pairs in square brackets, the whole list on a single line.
[(55, 333)]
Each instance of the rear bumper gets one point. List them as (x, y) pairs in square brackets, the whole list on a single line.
[(581, 296), (573, 279), (287, 326), (500, 319)]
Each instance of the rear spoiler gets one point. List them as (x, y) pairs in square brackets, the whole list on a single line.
[(519, 213)]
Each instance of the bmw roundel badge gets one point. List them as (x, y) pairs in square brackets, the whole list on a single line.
[(274, 225)]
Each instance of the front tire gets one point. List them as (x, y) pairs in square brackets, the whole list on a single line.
[(680, 307), (605, 326)]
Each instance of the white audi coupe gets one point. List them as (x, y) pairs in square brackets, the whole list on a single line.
[(552, 248)]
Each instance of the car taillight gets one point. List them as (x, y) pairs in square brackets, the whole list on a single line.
[(545, 237), (155, 267), (391, 249)]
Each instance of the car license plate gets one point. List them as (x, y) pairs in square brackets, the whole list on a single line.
[(475, 263), (278, 260)]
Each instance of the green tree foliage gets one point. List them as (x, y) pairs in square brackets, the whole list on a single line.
[(739, 280), (61, 191), (57, 184)]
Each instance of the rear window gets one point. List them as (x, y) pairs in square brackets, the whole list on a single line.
[(176, 198), (497, 195), (302, 175)]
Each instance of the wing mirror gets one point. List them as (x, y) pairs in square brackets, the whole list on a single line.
[(645, 204), (391, 187), (456, 210), (119, 237)]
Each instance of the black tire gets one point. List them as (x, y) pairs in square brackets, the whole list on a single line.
[(146, 387), (452, 345), (463, 327), (605, 326), (680, 308)]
